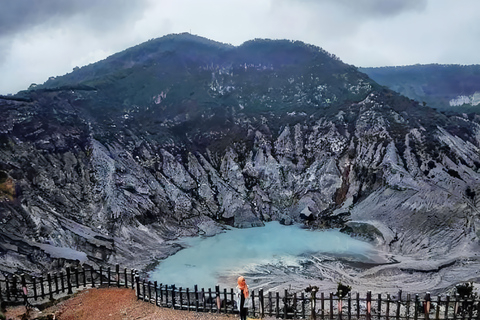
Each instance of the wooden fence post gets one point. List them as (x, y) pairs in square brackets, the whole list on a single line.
[(225, 299), (270, 303), (196, 298), (262, 305), (379, 305), (277, 300), (108, 276), (417, 301), (294, 305), (388, 307), (188, 299), (125, 277), (155, 287), (478, 310), (173, 296), (77, 282), (253, 303), (180, 297), (7, 286), (331, 305), (217, 298), (437, 309), (42, 289), (369, 305), (14, 287), (358, 305), (57, 287), (149, 291), (339, 305), (62, 282), (143, 290), (322, 305), (455, 310), (160, 303), (349, 310), (166, 295), (408, 306), (426, 306), (470, 311), (101, 276), (399, 300), (49, 280), (232, 297), (34, 284), (84, 275), (132, 272), (210, 298), (93, 279), (313, 303), (117, 274), (447, 301), (303, 305), (69, 284), (285, 304), (137, 281), (24, 289)]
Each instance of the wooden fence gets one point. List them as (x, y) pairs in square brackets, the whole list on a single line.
[(37, 290), (285, 305)]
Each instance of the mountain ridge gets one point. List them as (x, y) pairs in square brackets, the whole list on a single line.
[(451, 88)]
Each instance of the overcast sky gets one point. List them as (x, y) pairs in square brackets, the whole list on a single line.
[(43, 38)]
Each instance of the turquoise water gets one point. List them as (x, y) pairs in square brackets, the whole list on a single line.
[(204, 260)]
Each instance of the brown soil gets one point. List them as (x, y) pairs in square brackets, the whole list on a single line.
[(110, 304)]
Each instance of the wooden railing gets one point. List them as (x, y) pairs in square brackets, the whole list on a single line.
[(37, 290), (286, 305), (312, 305)]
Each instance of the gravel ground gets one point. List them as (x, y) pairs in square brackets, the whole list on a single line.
[(111, 303)]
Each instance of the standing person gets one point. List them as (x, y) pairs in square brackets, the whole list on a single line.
[(242, 296)]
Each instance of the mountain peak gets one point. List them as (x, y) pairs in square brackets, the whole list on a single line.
[(185, 74)]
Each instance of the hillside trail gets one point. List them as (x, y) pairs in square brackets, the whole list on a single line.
[(111, 304)]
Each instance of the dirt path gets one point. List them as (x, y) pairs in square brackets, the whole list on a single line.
[(112, 304)]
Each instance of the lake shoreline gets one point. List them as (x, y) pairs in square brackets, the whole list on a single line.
[(391, 274)]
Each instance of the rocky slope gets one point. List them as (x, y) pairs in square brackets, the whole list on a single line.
[(182, 136)]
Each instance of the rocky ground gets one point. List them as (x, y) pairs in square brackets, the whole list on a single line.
[(110, 303)]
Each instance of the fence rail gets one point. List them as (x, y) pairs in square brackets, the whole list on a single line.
[(36, 290), (32, 290)]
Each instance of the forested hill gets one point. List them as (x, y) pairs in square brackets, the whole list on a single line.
[(445, 87)]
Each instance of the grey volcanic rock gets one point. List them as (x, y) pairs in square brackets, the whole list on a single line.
[(96, 176)]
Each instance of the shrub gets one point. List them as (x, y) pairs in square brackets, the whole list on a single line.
[(465, 290), (343, 290)]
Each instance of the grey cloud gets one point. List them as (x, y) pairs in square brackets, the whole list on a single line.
[(21, 15), (368, 8), (94, 17), (385, 8)]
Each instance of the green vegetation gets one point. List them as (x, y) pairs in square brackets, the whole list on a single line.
[(342, 290), (468, 296), (465, 290), (187, 88), (434, 85), (3, 177)]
